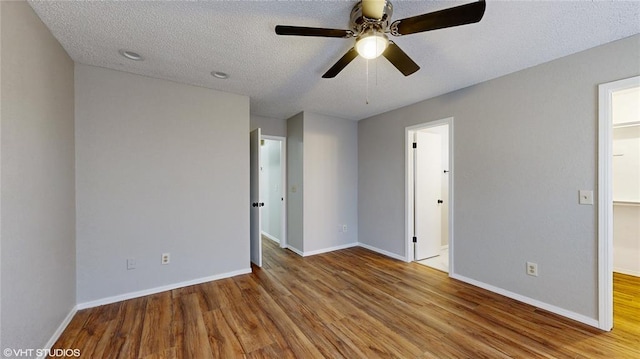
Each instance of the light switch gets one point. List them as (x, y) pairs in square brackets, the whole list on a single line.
[(294, 189), (586, 197)]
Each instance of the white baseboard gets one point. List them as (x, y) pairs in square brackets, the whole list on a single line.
[(626, 271), (330, 249), (267, 235), (142, 293), (383, 252), (56, 335), (295, 250), (536, 303)]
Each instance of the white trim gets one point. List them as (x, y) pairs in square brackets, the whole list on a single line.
[(536, 303), (408, 210), (330, 249), (164, 288), (626, 203), (272, 238), (383, 252), (56, 335), (627, 124), (627, 271), (605, 198), (295, 250)]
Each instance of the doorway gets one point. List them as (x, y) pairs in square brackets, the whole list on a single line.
[(267, 158), (272, 188), (618, 190), (429, 200)]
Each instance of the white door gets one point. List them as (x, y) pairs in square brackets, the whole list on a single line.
[(254, 196), (427, 190)]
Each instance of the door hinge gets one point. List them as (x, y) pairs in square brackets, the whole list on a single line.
[(415, 239), (415, 145)]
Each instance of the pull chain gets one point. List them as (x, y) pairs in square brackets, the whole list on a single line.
[(376, 74), (376, 70), (367, 92)]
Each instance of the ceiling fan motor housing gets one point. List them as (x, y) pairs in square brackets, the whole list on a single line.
[(361, 24)]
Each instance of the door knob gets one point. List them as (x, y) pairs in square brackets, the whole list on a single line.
[(440, 201), (254, 204)]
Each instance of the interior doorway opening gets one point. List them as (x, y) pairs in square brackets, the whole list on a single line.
[(267, 159), (429, 201), (618, 190), (273, 188)]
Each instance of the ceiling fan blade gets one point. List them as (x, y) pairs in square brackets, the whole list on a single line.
[(455, 16), (400, 59), (312, 31), (373, 9), (341, 64)]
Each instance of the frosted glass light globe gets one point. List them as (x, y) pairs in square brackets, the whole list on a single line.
[(371, 45)]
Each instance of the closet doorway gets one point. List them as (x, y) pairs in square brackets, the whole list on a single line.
[(618, 191)]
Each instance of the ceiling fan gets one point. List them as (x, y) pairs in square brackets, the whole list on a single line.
[(370, 24)]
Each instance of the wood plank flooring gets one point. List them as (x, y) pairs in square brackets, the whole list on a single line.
[(351, 303)]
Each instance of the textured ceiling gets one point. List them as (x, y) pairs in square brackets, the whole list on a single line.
[(184, 41)]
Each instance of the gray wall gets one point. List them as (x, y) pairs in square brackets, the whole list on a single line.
[(330, 182), (524, 144), (295, 180), (37, 181), (161, 167), (269, 126), (1, 100), (322, 157)]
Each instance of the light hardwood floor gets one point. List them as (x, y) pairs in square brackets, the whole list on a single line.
[(351, 303)]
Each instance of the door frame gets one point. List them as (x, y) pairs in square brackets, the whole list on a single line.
[(605, 197), (408, 135), (283, 169)]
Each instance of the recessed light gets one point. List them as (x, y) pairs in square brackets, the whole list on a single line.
[(131, 55), (219, 75)]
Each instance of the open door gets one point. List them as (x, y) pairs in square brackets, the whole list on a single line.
[(427, 192), (254, 196)]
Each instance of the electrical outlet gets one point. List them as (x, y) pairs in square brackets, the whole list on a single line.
[(131, 263), (344, 228), (532, 269), (166, 258)]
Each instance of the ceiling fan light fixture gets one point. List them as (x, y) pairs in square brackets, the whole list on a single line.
[(370, 27), (371, 44)]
